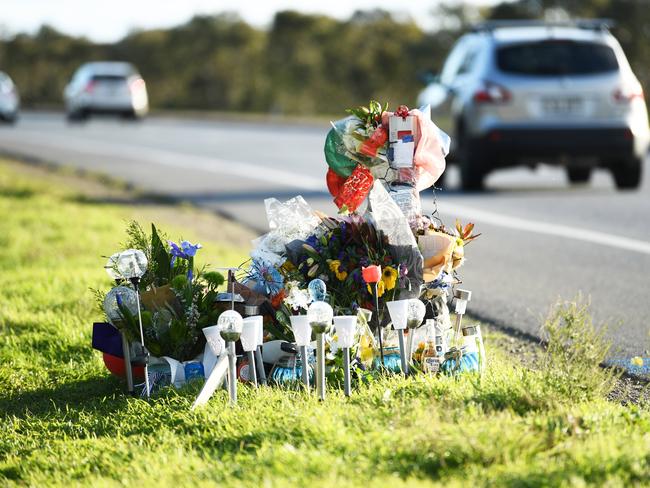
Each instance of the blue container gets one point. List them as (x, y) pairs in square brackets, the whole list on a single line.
[(193, 371), (458, 362), (392, 360), (288, 371)]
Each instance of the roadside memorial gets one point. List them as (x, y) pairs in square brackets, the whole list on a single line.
[(345, 296)]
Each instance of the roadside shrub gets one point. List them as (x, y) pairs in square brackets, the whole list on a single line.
[(575, 351)]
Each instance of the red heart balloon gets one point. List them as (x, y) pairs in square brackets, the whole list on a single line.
[(334, 182)]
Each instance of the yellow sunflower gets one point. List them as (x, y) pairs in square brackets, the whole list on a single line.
[(334, 265), (389, 277)]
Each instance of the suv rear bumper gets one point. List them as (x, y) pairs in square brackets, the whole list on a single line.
[(510, 147)]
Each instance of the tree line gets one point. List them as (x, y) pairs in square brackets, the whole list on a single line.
[(301, 64)]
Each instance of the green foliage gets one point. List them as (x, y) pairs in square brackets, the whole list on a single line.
[(575, 351), (303, 64), (370, 116), (160, 257)]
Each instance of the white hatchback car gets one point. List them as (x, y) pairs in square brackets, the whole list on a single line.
[(9, 99), (106, 87), (521, 93)]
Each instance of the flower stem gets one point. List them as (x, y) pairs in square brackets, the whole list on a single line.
[(381, 344)]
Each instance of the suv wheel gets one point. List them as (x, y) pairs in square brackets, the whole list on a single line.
[(472, 166), (578, 175), (77, 115), (627, 174)]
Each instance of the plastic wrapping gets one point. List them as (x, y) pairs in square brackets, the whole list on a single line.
[(288, 221), (389, 218), (346, 146), (436, 248), (431, 147), (407, 198)]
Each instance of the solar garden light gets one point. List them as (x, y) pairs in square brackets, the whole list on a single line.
[(117, 298), (215, 380), (250, 311), (230, 327), (415, 316), (319, 315), (132, 265), (302, 334), (462, 297), (346, 326), (111, 268), (398, 310), (249, 337)]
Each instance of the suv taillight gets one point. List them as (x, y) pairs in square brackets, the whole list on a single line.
[(627, 95), (492, 93), (136, 85), (90, 86)]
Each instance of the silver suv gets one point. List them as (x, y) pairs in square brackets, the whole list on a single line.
[(521, 93)]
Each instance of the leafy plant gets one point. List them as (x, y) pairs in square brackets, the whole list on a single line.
[(575, 351), (174, 326), (370, 116)]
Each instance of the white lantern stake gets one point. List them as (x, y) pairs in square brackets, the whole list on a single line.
[(320, 318), (135, 282), (259, 361), (398, 310), (320, 365), (302, 334), (230, 328), (126, 348), (345, 328), (462, 297), (129, 267), (414, 317), (249, 343)]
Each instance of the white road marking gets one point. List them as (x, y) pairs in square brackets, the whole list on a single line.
[(305, 182), (545, 228)]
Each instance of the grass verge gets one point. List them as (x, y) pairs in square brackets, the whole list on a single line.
[(65, 421)]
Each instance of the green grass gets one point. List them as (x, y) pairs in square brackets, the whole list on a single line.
[(66, 422)]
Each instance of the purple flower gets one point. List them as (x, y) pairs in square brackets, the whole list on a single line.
[(190, 249), (403, 275), (186, 250)]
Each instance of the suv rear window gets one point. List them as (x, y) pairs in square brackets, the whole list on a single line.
[(109, 78), (552, 58)]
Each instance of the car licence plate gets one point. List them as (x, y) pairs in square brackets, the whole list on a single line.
[(562, 106)]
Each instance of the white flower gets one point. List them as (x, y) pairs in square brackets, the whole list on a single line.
[(296, 298)]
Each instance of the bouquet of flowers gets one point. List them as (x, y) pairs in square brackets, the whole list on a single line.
[(177, 300)]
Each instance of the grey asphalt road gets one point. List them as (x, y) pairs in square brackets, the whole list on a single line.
[(542, 240)]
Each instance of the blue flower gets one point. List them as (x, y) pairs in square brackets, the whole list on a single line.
[(190, 249), (268, 280), (186, 250)]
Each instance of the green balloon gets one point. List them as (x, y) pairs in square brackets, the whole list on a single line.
[(335, 154)]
